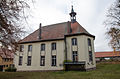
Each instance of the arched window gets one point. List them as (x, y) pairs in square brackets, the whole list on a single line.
[(53, 46), (90, 50), (74, 41), (89, 42), (29, 48), (21, 48), (42, 47)]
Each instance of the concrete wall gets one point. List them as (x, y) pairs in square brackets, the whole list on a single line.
[(36, 56)]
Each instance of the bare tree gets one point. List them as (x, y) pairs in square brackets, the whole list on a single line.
[(114, 34), (11, 11), (113, 23)]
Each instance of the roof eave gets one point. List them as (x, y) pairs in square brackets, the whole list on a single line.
[(68, 35), (40, 41)]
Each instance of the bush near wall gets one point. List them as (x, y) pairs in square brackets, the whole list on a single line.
[(66, 61), (11, 69)]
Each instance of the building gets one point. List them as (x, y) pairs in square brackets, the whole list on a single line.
[(48, 47), (6, 58), (115, 55)]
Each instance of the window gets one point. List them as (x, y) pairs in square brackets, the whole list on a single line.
[(42, 61), (89, 42), (90, 56), (42, 47), (74, 41), (90, 50), (53, 46), (20, 60), (21, 48), (3, 65), (7, 59), (29, 48), (75, 56), (29, 61), (4, 59), (11, 65), (54, 60), (6, 65)]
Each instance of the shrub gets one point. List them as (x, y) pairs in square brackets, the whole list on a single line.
[(65, 62), (11, 69)]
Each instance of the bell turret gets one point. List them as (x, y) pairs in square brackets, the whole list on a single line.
[(72, 15)]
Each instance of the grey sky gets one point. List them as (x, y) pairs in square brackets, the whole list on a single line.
[(90, 14)]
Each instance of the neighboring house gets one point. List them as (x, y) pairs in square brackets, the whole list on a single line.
[(107, 55), (49, 46), (6, 58)]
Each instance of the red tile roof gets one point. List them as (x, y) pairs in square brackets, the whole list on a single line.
[(107, 54), (55, 31), (5, 53)]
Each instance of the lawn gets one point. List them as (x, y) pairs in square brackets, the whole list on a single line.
[(103, 71)]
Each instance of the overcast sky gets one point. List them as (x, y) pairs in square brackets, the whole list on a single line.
[(90, 14)]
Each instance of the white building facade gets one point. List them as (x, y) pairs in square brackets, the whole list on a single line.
[(59, 46)]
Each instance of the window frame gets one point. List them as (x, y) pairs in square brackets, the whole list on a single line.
[(89, 42), (90, 56), (53, 46), (42, 61), (29, 48), (90, 50), (74, 41), (21, 48), (29, 59), (42, 47), (54, 60), (75, 56), (20, 60)]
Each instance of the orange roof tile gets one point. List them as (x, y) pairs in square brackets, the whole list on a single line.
[(107, 54), (55, 31)]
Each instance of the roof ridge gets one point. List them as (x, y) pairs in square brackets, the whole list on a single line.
[(54, 24)]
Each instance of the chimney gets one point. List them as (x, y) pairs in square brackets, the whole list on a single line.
[(40, 31), (69, 29)]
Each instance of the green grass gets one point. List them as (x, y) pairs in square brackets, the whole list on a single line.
[(103, 71)]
